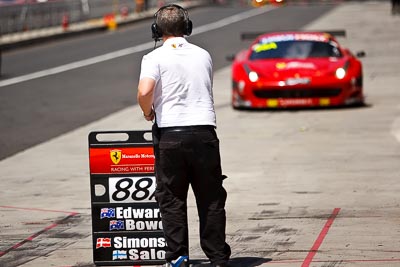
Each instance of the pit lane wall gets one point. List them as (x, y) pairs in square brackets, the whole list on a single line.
[(26, 24), (20, 16)]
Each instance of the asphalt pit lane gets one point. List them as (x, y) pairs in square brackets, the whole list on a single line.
[(306, 192), (67, 235), (269, 204), (268, 212), (284, 231)]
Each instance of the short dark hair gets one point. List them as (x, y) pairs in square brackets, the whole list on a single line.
[(171, 20)]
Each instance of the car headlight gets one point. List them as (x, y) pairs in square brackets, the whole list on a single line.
[(253, 76), (341, 72)]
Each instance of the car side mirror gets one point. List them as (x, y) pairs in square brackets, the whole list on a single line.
[(230, 57), (361, 54)]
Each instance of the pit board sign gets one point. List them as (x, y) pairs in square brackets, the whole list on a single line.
[(126, 220)]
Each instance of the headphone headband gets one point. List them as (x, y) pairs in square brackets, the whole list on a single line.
[(157, 32)]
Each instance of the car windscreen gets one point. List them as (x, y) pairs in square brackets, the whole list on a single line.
[(294, 49)]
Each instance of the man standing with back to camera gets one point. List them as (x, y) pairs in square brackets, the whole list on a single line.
[(175, 90)]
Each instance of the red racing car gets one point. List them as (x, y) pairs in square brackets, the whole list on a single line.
[(296, 69), (259, 3)]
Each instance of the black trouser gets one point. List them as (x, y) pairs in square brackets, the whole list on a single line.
[(396, 6), (190, 155)]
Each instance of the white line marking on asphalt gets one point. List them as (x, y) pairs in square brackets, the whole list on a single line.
[(131, 50)]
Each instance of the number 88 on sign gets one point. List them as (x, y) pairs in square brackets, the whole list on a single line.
[(131, 189)]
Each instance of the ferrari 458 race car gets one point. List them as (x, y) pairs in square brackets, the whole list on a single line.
[(296, 69), (259, 3)]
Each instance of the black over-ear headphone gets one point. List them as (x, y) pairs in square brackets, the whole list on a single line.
[(157, 32)]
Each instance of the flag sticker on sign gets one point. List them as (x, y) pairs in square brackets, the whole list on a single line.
[(103, 242), (117, 225), (119, 255), (107, 213)]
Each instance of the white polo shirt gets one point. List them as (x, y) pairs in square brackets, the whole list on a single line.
[(183, 92)]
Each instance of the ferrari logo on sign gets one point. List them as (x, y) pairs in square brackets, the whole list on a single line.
[(115, 156)]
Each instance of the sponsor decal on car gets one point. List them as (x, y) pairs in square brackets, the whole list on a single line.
[(324, 101), (296, 37), (264, 47), (296, 81), (291, 102)]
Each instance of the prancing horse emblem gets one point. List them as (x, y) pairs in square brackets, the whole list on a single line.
[(115, 156)]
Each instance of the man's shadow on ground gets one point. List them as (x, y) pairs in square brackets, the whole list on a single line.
[(235, 262)]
